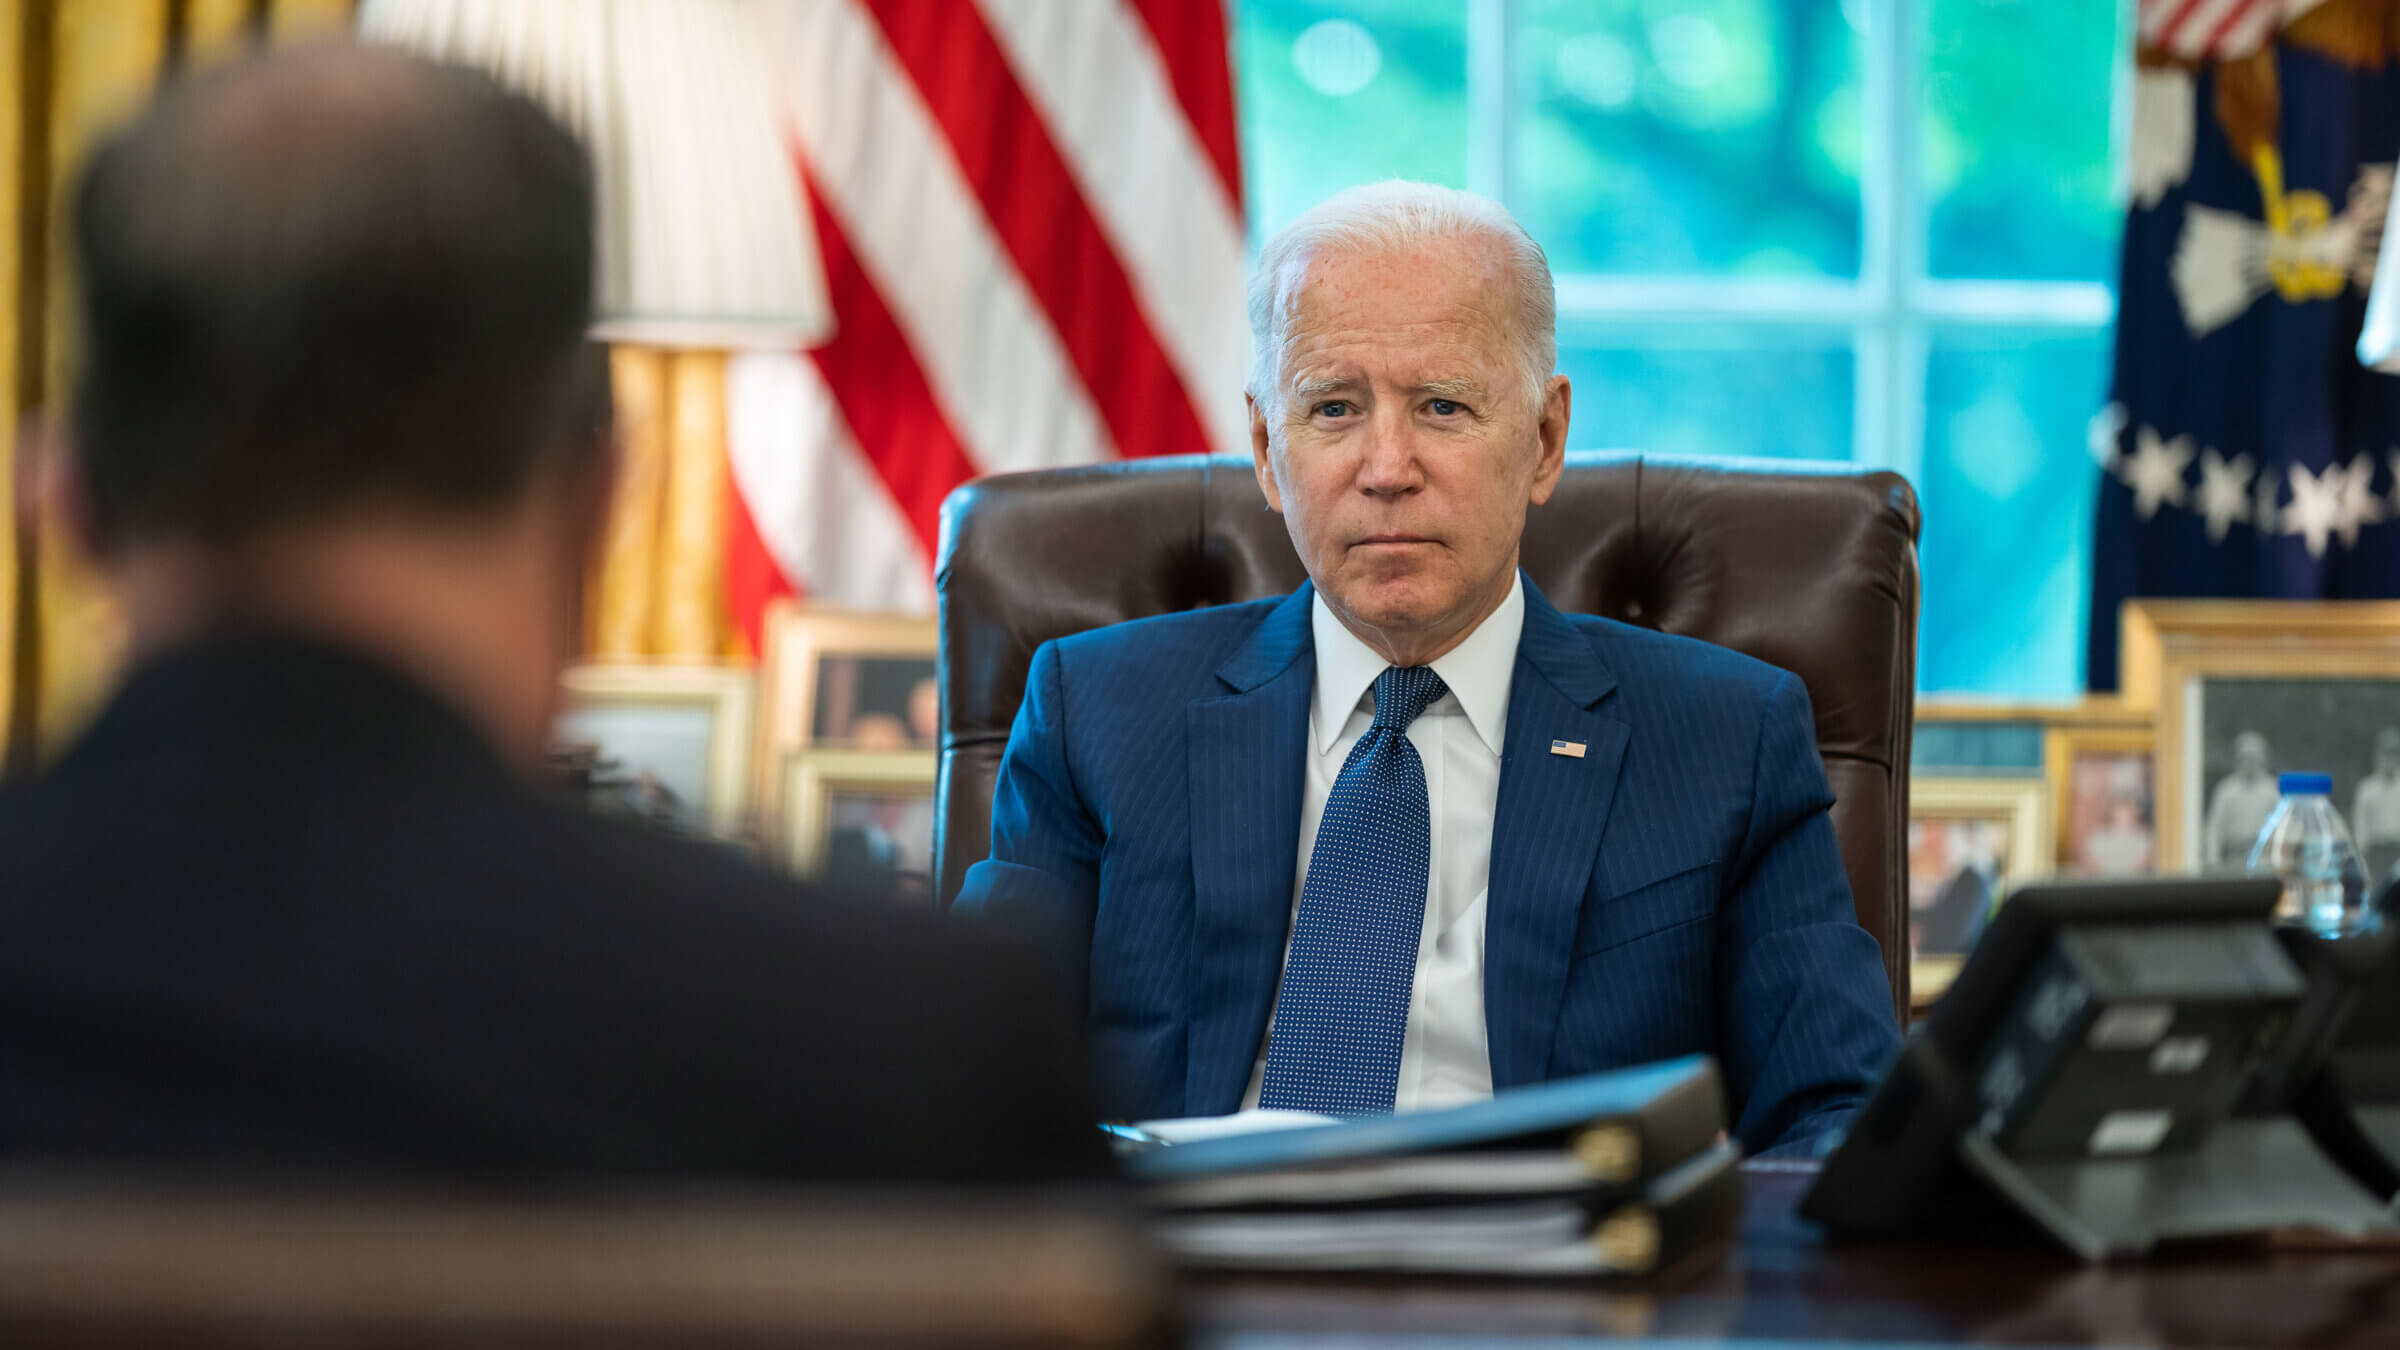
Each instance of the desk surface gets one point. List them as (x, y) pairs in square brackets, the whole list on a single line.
[(1782, 1288)]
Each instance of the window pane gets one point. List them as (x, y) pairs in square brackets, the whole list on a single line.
[(1680, 391), (1688, 136), (2015, 140), (2007, 491), (1334, 94)]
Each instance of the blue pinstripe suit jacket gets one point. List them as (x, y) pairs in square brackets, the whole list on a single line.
[(1677, 889)]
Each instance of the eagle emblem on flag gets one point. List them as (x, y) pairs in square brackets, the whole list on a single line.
[(2243, 449)]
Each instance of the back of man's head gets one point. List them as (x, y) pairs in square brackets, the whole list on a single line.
[(334, 280)]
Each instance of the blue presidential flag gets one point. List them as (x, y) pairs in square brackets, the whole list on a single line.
[(2244, 449)]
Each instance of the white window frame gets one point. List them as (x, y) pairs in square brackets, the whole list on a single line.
[(1889, 312)]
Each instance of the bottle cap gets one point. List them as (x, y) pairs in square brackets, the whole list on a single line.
[(2304, 784)]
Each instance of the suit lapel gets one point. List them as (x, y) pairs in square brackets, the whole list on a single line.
[(1245, 752), (1545, 834)]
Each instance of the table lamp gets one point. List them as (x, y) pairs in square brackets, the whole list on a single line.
[(704, 236)]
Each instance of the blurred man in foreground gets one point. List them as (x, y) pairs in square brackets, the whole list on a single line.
[(1410, 834), (293, 898)]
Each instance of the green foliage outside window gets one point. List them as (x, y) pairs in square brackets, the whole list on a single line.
[(1750, 255)]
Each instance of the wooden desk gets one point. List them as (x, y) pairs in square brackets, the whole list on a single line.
[(100, 1263), (1783, 1287)]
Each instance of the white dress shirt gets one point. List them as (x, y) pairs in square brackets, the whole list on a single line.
[(1445, 1057)]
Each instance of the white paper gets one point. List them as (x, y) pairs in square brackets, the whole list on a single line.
[(1476, 1173), (1549, 1238), (1256, 1120)]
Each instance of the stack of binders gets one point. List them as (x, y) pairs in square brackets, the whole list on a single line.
[(1625, 1174)]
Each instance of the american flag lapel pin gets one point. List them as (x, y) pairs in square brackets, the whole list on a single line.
[(1571, 749)]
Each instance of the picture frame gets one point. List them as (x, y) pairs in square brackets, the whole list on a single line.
[(1954, 737), (685, 729), (1962, 738), (841, 680), (2147, 629), (1971, 842), (1955, 708), (885, 796), (2243, 690), (2103, 778)]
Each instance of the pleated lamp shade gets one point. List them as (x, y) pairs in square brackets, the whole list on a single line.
[(704, 238)]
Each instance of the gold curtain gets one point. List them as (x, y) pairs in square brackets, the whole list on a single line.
[(660, 589), (68, 68)]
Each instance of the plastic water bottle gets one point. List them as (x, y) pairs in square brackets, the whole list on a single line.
[(2306, 846)]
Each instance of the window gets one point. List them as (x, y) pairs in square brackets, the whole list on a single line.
[(1882, 231)]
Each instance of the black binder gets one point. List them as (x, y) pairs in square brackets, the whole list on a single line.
[(1683, 1216), (1618, 1128)]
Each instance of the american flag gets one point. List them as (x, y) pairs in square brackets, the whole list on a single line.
[(1029, 213), (2213, 30)]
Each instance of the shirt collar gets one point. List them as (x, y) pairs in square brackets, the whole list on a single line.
[(1477, 670)]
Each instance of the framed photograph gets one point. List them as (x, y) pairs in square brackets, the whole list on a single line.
[(2103, 794), (842, 681), (2247, 690), (861, 817), (2148, 629), (1970, 709), (1958, 737), (1970, 841), (1954, 739), (678, 737)]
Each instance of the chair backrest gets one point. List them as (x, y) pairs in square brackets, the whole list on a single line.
[(1812, 568)]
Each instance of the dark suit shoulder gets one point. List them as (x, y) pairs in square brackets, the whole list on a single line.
[(907, 1019), (1161, 649), (724, 917), (1646, 661), (545, 989)]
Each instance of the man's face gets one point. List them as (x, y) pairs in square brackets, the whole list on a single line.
[(1400, 449), (2250, 760)]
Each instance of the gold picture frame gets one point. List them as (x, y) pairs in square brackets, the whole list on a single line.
[(2146, 629), (720, 784), (2019, 808), (2065, 748), (2097, 710), (1955, 708), (801, 652), (815, 783), (2174, 650)]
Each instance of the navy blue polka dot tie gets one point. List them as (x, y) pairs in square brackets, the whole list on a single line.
[(1343, 1010)]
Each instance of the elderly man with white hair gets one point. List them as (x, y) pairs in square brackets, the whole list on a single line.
[(1410, 835)]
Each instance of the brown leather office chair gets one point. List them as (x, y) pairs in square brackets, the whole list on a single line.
[(1811, 568)]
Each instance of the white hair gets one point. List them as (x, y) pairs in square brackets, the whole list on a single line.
[(1393, 214)]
